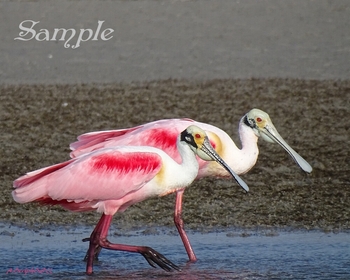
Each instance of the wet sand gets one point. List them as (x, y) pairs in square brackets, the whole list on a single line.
[(38, 123)]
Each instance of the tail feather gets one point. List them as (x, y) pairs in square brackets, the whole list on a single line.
[(32, 186)]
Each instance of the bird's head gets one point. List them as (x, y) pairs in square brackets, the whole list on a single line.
[(260, 122), (199, 143)]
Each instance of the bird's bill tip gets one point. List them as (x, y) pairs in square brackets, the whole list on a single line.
[(270, 132)]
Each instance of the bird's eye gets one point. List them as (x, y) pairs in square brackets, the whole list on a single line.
[(198, 135), (259, 119)]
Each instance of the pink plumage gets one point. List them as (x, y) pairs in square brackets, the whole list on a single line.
[(110, 179), (252, 125), (95, 180), (161, 134)]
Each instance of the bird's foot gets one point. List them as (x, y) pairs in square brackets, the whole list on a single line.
[(153, 258)]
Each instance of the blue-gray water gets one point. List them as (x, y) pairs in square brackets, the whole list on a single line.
[(229, 254)]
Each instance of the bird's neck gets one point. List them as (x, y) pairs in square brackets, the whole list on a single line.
[(249, 152), (240, 160), (189, 162), (180, 175)]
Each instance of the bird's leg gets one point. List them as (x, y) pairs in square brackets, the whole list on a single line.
[(97, 251), (179, 223), (94, 247), (98, 239)]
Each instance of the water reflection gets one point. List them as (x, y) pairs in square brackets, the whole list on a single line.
[(58, 254)]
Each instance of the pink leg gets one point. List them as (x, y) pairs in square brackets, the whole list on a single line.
[(98, 240), (179, 223)]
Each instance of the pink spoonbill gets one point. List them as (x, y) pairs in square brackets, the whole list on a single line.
[(111, 179), (162, 134)]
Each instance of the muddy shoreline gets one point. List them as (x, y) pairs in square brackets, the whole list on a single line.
[(39, 121)]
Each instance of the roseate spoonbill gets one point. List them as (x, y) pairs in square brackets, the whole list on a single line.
[(162, 134), (111, 179)]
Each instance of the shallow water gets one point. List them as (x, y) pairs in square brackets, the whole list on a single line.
[(229, 254)]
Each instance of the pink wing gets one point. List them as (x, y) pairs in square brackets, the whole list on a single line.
[(107, 174), (160, 134), (92, 138)]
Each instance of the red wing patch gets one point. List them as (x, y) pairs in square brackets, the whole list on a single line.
[(161, 138), (127, 162)]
